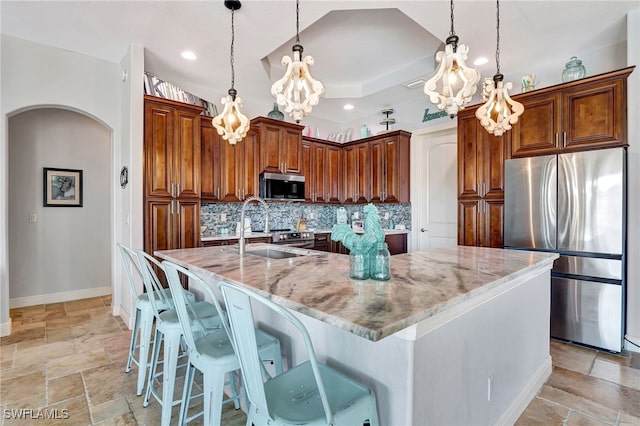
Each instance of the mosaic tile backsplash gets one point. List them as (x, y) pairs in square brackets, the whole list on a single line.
[(285, 215)]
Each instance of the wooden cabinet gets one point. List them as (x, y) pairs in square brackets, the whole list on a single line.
[(585, 114), (357, 174), (481, 183), (211, 166), (397, 243), (390, 160), (322, 169), (172, 148), (171, 174), (239, 168), (280, 145)]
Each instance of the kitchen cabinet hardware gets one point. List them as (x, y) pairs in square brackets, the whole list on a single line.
[(564, 139)]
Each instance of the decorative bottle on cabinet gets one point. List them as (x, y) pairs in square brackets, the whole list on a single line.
[(275, 113), (574, 70)]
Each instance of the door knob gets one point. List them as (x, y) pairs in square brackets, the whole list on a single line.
[(423, 230)]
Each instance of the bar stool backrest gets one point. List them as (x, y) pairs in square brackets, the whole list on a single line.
[(155, 290), (130, 265)]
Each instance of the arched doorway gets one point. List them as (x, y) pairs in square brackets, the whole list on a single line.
[(58, 253)]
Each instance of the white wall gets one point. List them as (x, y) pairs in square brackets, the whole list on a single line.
[(67, 248), (35, 75)]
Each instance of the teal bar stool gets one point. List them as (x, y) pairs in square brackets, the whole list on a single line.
[(307, 394), (213, 353), (144, 317), (169, 331)]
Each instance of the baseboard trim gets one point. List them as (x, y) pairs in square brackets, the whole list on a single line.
[(64, 296), (517, 407), (632, 343), (5, 328)]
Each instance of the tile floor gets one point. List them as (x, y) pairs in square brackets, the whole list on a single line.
[(70, 358)]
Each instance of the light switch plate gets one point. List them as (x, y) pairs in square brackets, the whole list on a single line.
[(33, 218), (223, 217)]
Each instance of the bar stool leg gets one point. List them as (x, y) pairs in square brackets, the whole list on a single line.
[(143, 354), (134, 338)]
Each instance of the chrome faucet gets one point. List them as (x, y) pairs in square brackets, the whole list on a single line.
[(241, 242)]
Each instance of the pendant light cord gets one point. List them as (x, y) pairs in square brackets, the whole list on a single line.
[(233, 73), (498, 36), (452, 32), (297, 21)]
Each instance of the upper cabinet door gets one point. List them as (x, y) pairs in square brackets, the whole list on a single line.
[(308, 170), (537, 131), (158, 148), (469, 162), (334, 169), (270, 148), (397, 169), (595, 115), (210, 169), (378, 170), (230, 168), (248, 178), (290, 149), (187, 154), (320, 173)]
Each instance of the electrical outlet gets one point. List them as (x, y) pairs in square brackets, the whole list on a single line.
[(386, 215), (223, 217)]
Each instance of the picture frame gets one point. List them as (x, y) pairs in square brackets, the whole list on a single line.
[(62, 187)]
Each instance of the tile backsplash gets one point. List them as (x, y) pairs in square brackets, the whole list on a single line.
[(285, 215)]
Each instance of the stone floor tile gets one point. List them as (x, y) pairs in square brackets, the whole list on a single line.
[(616, 373), (31, 343), (12, 373), (579, 419), (63, 388), (107, 300), (33, 402), (83, 304), (578, 403), (572, 357), (75, 363), (5, 365), (22, 335), (68, 321), (543, 412), (126, 419), (58, 334), (26, 311), (108, 382), (597, 390), (54, 307), (21, 387), (77, 410), (7, 352), (628, 420), (113, 409), (38, 355)]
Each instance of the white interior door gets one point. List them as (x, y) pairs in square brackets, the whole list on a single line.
[(434, 189)]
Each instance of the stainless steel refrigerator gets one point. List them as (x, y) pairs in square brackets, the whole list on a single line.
[(574, 204)]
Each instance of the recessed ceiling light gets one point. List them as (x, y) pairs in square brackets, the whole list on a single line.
[(480, 61), (348, 107), (187, 54)]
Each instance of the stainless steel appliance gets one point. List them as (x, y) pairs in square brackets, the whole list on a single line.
[(279, 187), (574, 204), (304, 239)]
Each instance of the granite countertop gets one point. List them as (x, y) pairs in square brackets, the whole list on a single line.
[(386, 231), (422, 284)]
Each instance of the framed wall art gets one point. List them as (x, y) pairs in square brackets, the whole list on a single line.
[(62, 187)]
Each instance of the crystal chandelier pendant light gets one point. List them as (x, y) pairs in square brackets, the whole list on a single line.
[(297, 92), (231, 123), (500, 112), (454, 83)]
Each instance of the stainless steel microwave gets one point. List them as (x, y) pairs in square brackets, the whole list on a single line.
[(279, 187)]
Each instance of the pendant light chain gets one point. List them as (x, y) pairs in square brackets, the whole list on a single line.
[(297, 22), (233, 32), (498, 36), (452, 32)]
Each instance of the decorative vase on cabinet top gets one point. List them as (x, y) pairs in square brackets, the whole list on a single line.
[(275, 113), (574, 70)]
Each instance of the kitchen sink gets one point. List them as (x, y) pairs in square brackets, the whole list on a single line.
[(273, 253)]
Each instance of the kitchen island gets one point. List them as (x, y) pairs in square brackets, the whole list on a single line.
[(457, 336)]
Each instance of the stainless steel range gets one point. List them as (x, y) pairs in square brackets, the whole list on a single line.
[(302, 239)]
